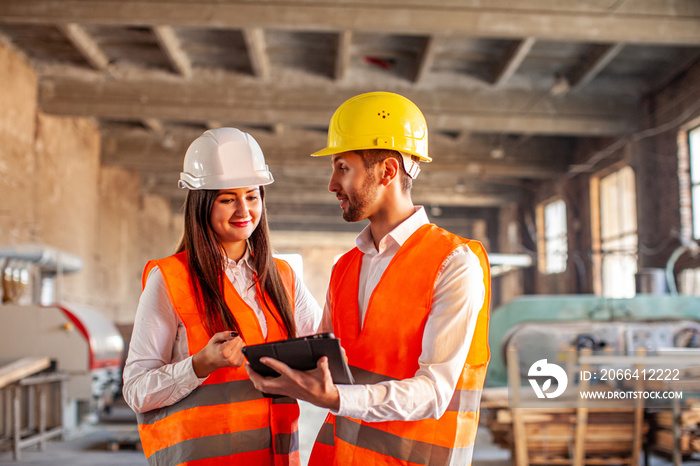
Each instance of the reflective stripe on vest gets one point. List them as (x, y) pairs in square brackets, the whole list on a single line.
[(225, 420), (384, 351), (462, 400)]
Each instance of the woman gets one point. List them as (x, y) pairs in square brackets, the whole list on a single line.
[(220, 291)]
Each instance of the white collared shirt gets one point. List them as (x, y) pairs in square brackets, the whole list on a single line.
[(158, 371), (458, 296)]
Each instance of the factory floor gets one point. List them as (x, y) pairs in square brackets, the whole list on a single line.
[(89, 446)]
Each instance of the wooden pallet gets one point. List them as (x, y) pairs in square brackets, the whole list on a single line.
[(688, 425), (573, 436), (130, 441)]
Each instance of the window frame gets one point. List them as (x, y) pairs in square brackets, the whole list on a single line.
[(693, 141), (545, 241), (599, 242)]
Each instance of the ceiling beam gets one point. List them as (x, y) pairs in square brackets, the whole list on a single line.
[(153, 124), (425, 59), (170, 43), (680, 65), (86, 45), (596, 62), (295, 170), (226, 101), (511, 62), (483, 170), (421, 196), (633, 24), (342, 56), (135, 145), (257, 51)]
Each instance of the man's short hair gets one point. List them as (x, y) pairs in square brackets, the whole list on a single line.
[(371, 157)]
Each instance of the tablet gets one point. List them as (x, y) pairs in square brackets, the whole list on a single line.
[(301, 354)]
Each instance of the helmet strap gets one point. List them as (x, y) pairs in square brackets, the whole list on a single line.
[(411, 166)]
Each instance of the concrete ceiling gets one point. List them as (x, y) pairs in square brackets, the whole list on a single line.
[(510, 89)]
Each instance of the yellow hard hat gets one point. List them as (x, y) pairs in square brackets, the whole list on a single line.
[(378, 120)]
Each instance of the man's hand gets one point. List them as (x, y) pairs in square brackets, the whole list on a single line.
[(315, 386), (222, 350)]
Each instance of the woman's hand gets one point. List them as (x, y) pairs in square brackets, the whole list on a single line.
[(222, 350)]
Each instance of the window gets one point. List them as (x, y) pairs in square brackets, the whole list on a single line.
[(689, 282), (618, 233), (694, 150), (295, 261), (553, 244)]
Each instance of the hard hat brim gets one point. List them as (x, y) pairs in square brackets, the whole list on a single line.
[(339, 150), (327, 151), (188, 181)]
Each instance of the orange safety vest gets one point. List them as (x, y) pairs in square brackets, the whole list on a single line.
[(388, 346), (225, 420)]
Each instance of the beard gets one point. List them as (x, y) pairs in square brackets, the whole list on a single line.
[(359, 200)]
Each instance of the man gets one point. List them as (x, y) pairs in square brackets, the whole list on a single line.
[(409, 304)]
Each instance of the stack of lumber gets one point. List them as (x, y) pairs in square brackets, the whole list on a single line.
[(16, 370), (550, 434), (661, 434)]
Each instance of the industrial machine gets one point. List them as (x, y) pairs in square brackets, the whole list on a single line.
[(547, 326), (81, 340)]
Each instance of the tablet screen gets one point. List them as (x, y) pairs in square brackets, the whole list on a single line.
[(301, 354)]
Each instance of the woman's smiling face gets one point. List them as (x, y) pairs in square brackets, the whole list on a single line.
[(234, 216)]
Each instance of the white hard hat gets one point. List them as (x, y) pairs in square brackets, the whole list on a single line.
[(224, 158)]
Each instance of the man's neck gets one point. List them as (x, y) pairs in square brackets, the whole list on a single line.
[(386, 220)]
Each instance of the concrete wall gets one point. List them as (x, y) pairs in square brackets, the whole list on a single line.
[(17, 155), (54, 191)]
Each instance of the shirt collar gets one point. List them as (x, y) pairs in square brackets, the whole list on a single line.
[(246, 261), (398, 235)]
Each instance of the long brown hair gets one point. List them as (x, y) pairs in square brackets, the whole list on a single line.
[(207, 262)]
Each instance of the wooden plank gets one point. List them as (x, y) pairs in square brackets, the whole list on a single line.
[(687, 419), (170, 43), (342, 57), (515, 56), (425, 59), (598, 60), (581, 416), (257, 52), (519, 431), (21, 368), (638, 413), (86, 45)]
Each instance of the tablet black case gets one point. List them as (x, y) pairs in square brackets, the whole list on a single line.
[(301, 354)]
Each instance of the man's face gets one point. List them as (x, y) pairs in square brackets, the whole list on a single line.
[(354, 186)]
